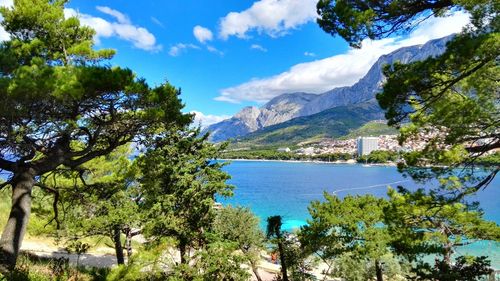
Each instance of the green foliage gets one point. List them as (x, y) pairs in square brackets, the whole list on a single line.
[(4, 206), (97, 201), (448, 101), (55, 81), (39, 224), (146, 265), (424, 223), (272, 154), (268, 154), (464, 269), (63, 104), (379, 156), (374, 128), (241, 226), (331, 123), (490, 160), (299, 265), (357, 20), (399, 234), (32, 268), (180, 182), (352, 268), (353, 224), (220, 261)]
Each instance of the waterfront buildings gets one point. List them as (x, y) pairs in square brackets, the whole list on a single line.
[(365, 145)]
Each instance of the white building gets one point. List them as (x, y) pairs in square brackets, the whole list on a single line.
[(305, 151), (366, 145), (284, 149)]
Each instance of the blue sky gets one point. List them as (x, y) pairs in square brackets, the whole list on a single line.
[(229, 54)]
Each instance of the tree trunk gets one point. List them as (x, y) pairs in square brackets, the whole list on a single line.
[(282, 259), (14, 230), (128, 242), (448, 251), (118, 245), (255, 271), (182, 250), (378, 270)]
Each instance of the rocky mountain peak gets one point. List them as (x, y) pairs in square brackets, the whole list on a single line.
[(292, 105)]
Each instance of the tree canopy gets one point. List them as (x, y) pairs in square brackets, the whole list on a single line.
[(353, 225), (62, 105), (402, 232), (451, 101)]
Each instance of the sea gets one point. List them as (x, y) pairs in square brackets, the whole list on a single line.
[(286, 188)]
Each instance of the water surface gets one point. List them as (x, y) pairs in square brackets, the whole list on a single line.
[(286, 189)]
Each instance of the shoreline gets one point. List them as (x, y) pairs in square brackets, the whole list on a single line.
[(342, 162)]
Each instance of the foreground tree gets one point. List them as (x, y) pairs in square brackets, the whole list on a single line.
[(421, 225), (351, 225), (240, 225), (274, 232), (101, 201), (451, 101), (180, 182), (56, 91)]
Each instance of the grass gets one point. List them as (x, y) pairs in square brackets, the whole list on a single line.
[(373, 128), (5, 204), (32, 268), (42, 233)]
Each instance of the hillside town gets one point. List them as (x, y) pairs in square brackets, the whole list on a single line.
[(360, 146)]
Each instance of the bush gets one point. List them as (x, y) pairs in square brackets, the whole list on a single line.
[(379, 156)]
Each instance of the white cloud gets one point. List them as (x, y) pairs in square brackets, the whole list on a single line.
[(4, 36), (140, 37), (273, 17), (205, 120), (179, 48), (202, 34), (258, 48), (341, 70), (157, 22), (121, 18), (6, 3), (214, 50), (309, 54)]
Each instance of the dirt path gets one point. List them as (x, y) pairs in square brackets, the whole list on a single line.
[(93, 259), (102, 257)]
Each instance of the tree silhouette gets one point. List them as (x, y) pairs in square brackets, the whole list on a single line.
[(274, 231)]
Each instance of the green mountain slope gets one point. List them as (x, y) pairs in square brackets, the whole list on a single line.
[(373, 128), (331, 123)]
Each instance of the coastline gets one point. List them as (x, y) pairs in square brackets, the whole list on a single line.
[(343, 162)]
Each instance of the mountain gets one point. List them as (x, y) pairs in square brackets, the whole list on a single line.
[(251, 118), (368, 86), (288, 106), (331, 123)]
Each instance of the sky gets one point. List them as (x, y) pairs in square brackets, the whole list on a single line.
[(225, 55)]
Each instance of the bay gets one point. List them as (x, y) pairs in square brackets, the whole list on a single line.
[(286, 188)]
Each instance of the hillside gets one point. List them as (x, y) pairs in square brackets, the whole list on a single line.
[(373, 128), (332, 123)]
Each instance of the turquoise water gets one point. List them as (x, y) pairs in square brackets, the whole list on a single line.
[(286, 189)]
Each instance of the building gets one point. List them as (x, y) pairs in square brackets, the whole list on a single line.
[(305, 151), (366, 145), (284, 149)]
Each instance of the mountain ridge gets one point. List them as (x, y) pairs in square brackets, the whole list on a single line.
[(288, 106), (331, 123)]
